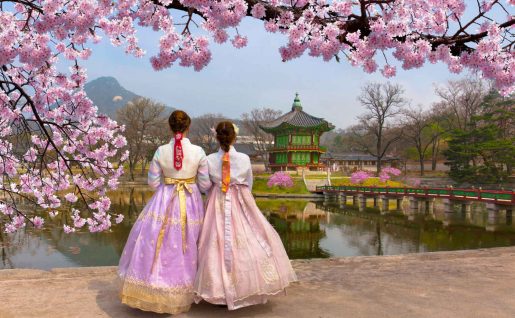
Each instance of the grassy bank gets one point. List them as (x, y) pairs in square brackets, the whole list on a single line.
[(260, 187), (370, 182)]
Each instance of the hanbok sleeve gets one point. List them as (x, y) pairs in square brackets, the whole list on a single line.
[(154, 171), (203, 181), (250, 177)]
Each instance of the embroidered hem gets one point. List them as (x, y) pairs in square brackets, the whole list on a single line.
[(141, 295), (243, 301)]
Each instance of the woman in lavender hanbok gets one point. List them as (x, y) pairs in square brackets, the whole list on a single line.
[(159, 262), (241, 256)]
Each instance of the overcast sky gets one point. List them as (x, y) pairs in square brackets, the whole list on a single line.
[(238, 80)]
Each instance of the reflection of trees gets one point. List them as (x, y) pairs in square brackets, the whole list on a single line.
[(370, 233), (13, 244), (94, 249), (374, 234), (6, 260), (104, 248), (301, 224)]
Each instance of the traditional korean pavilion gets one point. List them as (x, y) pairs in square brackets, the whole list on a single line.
[(296, 139)]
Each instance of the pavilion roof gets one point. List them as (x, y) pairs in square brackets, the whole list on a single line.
[(297, 118)]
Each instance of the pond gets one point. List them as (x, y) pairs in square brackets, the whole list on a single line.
[(309, 229)]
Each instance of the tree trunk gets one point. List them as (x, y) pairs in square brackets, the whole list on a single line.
[(421, 160), (434, 154), (379, 154), (143, 166), (131, 170)]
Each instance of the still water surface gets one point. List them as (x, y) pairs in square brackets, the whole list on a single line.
[(309, 229)]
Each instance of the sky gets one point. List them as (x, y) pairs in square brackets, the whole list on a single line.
[(238, 80)]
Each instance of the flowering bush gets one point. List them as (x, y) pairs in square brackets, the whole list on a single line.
[(414, 182), (280, 179), (359, 177), (387, 173)]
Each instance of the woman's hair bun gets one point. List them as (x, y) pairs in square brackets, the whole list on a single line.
[(179, 121), (225, 134)]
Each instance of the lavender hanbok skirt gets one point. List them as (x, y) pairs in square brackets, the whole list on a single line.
[(160, 278)]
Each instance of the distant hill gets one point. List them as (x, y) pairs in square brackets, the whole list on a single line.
[(108, 95)]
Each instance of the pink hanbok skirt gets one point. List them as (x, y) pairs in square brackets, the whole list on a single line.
[(241, 258)]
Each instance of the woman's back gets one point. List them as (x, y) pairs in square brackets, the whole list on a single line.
[(193, 164), (241, 169)]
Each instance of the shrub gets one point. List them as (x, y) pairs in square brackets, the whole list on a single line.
[(280, 179), (359, 177)]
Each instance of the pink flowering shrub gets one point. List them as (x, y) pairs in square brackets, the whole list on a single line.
[(359, 177), (280, 179), (414, 182), (387, 173)]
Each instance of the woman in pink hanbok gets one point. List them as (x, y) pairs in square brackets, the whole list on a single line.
[(241, 257), (159, 262)]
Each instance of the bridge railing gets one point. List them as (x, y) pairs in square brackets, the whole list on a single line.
[(451, 193)]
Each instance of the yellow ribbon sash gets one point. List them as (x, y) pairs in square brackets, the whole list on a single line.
[(181, 186)]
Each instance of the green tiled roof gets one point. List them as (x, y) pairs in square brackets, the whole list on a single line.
[(297, 118)]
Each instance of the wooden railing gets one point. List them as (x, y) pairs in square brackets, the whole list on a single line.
[(299, 147), (495, 196)]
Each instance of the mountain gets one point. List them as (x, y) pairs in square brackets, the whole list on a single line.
[(108, 95)]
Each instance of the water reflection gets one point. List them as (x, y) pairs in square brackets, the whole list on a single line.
[(308, 229)]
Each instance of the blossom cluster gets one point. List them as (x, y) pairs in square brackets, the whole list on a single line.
[(358, 177), (414, 182), (387, 173), (280, 179)]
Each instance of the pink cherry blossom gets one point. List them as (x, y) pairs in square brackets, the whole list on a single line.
[(359, 177), (67, 229), (239, 41), (38, 222), (280, 179), (119, 218)]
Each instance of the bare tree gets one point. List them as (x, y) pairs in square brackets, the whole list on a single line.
[(201, 131), (251, 122), (157, 135), (142, 117), (420, 131), (461, 100), (376, 131)]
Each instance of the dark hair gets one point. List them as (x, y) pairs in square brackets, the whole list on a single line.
[(225, 134), (179, 121)]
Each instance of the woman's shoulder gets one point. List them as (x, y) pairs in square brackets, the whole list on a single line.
[(242, 156), (197, 148)]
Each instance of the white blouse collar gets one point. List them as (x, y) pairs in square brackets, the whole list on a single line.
[(184, 139), (231, 150)]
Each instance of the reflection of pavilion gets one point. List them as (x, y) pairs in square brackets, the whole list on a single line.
[(299, 229)]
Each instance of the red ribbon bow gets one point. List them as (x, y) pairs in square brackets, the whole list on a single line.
[(178, 155)]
